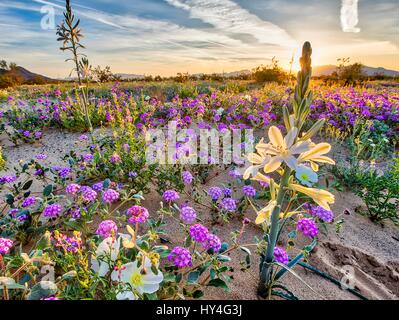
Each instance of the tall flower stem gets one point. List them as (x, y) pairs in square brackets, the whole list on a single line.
[(267, 259), (301, 108)]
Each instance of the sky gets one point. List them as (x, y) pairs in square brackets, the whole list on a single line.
[(199, 36)]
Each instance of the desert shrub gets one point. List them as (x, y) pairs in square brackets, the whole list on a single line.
[(369, 140), (380, 193), (270, 73), (378, 190), (26, 126), (350, 73)]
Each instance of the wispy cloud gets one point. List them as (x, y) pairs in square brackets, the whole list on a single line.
[(229, 17)]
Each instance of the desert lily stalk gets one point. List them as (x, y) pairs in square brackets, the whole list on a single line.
[(70, 34), (286, 156)]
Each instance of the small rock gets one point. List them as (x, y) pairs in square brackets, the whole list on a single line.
[(373, 261)]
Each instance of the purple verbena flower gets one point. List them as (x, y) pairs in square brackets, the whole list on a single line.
[(72, 188), (280, 255), (88, 194), (52, 210), (30, 201), (170, 196), (107, 228), (308, 227), (229, 204), (187, 177), (215, 193), (199, 233), (110, 196), (8, 179), (212, 243), (180, 257), (249, 191), (188, 215), (5, 245), (137, 214)]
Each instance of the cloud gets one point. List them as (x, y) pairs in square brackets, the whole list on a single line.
[(229, 17)]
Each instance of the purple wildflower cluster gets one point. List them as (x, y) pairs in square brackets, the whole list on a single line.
[(110, 196), (72, 188), (188, 215), (88, 194), (170, 196), (8, 179), (249, 191), (137, 214), (308, 227), (187, 177), (342, 107), (229, 204), (280, 255), (107, 228), (5, 245), (323, 214), (28, 202), (52, 211), (201, 234), (180, 257), (213, 243), (215, 193)]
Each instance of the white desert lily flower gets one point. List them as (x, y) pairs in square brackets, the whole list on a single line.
[(259, 160), (141, 279), (106, 254), (266, 212), (282, 149), (316, 154), (322, 197)]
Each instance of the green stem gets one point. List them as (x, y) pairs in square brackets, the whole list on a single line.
[(266, 263)]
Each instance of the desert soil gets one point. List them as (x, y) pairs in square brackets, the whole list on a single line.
[(370, 250)]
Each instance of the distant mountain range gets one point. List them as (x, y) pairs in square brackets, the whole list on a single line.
[(129, 76), (24, 74), (327, 70), (30, 77)]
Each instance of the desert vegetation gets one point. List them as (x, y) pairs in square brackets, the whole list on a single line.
[(87, 212)]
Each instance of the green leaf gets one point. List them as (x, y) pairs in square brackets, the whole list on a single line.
[(9, 199), (106, 184), (223, 258), (69, 275), (47, 190), (198, 294), (9, 283), (193, 277), (188, 242), (27, 185), (43, 289), (218, 283), (224, 247), (169, 277)]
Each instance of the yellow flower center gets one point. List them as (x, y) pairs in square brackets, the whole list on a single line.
[(136, 279)]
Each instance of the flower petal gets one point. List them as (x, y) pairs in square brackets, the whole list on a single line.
[(276, 138), (290, 137), (318, 150), (272, 165)]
